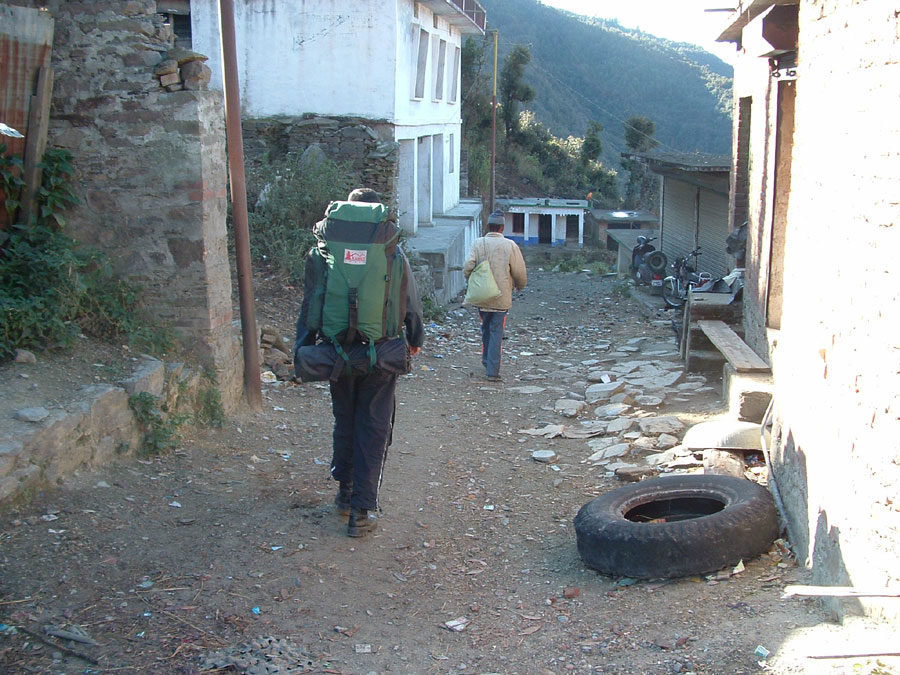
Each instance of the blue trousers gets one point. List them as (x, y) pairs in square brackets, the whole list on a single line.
[(363, 407), (492, 325)]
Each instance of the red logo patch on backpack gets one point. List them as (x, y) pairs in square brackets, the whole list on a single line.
[(352, 257)]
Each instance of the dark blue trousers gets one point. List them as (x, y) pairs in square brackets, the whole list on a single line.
[(363, 407), (492, 325)]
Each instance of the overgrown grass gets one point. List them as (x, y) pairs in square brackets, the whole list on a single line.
[(51, 288), (287, 201)]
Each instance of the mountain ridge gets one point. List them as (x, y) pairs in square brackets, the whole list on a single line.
[(588, 69)]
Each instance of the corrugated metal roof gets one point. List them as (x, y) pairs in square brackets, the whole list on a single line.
[(685, 161)]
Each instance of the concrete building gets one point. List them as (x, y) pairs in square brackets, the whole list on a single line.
[(693, 206), (531, 220), (600, 221), (815, 172), (395, 64)]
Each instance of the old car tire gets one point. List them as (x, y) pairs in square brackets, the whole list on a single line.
[(676, 526)]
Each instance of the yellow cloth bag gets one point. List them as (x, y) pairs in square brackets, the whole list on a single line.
[(482, 286)]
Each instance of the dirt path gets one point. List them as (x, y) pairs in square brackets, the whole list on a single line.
[(230, 547)]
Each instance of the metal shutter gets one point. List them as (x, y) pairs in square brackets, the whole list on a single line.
[(712, 232), (679, 218)]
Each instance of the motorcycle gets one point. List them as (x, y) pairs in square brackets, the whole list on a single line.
[(647, 264), (685, 277)]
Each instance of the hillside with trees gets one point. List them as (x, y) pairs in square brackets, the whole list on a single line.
[(568, 88), (590, 69)]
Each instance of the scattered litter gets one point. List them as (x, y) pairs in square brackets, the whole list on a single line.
[(176, 505), (457, 625), (73, 633), (277, 548), (49, 517), (761, 653), (488, 507), (269, 377), (362, 649), (256, 610), (146, 584)]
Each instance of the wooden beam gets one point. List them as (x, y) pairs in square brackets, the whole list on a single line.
[(735, 350), (36, 142), (840, 592)]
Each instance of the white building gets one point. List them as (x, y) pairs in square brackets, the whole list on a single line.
[(530, 220), (396, 62)]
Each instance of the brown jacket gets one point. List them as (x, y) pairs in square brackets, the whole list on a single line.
[(507, 266)]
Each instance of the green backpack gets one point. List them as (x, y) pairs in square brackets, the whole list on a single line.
[(360, 297)]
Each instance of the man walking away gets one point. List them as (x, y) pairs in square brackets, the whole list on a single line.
[(355, 265), (508, 268)]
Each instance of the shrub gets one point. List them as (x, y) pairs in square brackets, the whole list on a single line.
[(290, 201), (51, 289)]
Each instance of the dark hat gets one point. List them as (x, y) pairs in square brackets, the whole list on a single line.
[(496, 218)]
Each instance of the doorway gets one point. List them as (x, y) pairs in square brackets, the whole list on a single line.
[(545, 228)]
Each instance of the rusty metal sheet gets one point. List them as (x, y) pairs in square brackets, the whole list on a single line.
[(26, 40)]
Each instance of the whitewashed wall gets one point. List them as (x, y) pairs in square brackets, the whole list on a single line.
[(347, 58)]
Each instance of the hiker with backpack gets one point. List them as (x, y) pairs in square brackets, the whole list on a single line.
[(359, 324), (507, 267)]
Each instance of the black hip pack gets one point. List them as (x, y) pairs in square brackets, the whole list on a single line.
[(320, 362)]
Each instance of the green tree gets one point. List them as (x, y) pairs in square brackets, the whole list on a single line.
[(476, 112), (641, 188), (639, 132), (592, 147), (513, 90)]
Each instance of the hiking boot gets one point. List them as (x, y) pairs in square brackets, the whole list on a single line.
[(362, 521), (342, 499), (494, 378)]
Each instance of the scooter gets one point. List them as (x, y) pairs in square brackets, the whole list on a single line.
[(647, 264)]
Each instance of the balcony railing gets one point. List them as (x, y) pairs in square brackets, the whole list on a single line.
[(470, 12)]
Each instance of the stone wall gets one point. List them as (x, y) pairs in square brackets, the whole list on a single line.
[(150, 169), (835, 358), (98, 428), (365, 145)]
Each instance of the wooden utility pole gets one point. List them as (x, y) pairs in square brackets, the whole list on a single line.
[(494, 127), (249, 333)]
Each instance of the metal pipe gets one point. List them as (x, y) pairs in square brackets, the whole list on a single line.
[(235, 137)]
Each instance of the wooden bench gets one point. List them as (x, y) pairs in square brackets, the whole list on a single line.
[(736, 352)]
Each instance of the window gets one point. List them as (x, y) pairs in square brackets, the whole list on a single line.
[(177, 15), (518, 223), (454, 76), (439, 68), (422, 63)]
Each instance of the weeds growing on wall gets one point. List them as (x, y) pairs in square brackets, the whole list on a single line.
[(208, 402), (160, 430), (287, 199), (52, 289)]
